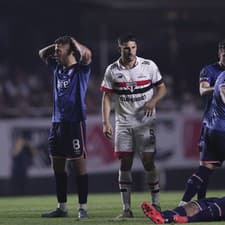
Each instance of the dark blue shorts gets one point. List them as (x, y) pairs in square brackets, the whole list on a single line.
[(213, 150), (201, 139), (67, 140)]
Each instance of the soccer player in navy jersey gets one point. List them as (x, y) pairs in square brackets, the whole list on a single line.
[(68, 132), (205, 209), (198, 182)]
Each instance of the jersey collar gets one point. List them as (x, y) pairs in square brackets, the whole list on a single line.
[(120, 66)]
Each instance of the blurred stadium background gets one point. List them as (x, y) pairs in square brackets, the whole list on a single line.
[(181, 36)]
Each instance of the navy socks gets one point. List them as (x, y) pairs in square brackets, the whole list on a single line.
[(61, 186), (197, 183), (82, 186)]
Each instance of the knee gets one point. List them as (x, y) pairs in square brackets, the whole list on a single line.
[(125, 167), (80, 171), (58, 168), (80, 167), (149, 165), (126, 164)]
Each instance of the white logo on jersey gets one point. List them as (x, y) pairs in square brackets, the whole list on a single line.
[(63, 84)]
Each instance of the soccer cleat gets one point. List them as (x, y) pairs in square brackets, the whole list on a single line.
[(180, 219), (125, 214), (56, 213), (82, 214), (152, 213)]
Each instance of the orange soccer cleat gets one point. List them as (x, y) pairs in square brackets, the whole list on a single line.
[(152, 213)]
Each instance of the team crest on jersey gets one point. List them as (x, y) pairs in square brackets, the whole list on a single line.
[(146, 63), (131, 86)]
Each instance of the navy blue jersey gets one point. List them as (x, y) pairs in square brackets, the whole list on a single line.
[(209, 74), (204, 203), (217, 121), (70, 86)]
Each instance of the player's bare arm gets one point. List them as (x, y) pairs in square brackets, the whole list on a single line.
[(106, 108), (150, 105), (205, 89), (222, 93), (85, 53), (46, 52)]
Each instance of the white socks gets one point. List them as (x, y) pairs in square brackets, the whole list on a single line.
[(62, 206), (125, 182), (83, 206)]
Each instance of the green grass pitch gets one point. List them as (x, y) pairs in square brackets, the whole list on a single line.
[(102, 208)]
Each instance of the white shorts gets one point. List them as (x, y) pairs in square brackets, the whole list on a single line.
[(136, 139)]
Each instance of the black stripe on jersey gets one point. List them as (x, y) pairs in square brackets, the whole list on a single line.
[(135, 91), (158, 82)]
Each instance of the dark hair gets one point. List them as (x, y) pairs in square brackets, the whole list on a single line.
[(125, 38), (65, 40), (221, 45)]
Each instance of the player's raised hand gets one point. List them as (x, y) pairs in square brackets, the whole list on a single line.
[(108, 130)]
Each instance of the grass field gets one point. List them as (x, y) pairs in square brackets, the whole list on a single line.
[(103, 208)]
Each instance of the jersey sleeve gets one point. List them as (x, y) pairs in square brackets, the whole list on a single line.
[(219, 86), (222, 80), (156, 75), (107, 84), (205, 75), (85, 67)]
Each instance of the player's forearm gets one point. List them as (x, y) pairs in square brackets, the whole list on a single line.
[(106, 108), (44, 53), (85, 52), (206, 90), (222, 94), (160, 93)]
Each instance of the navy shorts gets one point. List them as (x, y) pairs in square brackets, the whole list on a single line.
[(67, 140), (201, 139), (213, 150)]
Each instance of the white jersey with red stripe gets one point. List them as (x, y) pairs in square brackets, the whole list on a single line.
[(132, 88)]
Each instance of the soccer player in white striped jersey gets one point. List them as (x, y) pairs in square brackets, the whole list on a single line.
[(137, 86)]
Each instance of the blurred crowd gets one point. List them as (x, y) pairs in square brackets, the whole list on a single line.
[(180, 41), (25, 93)]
